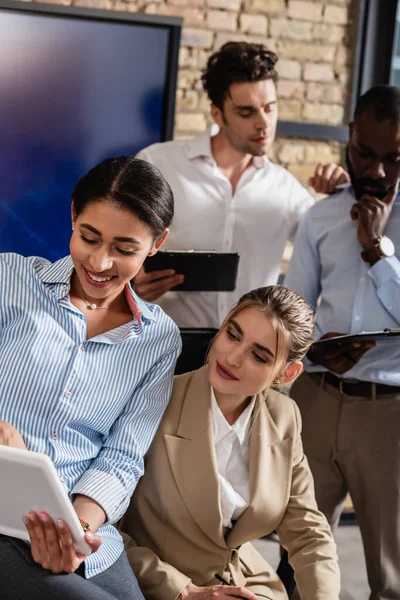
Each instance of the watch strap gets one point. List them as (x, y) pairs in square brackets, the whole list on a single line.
[(372, 254)]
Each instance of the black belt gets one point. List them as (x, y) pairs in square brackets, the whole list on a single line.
[(358, 388)]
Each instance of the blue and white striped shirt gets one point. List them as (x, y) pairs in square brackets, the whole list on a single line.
[(93, 406)]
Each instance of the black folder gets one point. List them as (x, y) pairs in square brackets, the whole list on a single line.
[(204, 270)]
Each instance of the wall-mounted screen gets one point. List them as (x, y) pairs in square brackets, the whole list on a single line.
[(77, 86)]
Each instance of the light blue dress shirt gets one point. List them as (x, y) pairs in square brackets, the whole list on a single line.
[(327, 269), (93, 406)]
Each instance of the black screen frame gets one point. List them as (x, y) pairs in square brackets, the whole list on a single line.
[(172, 24), (374, 46)]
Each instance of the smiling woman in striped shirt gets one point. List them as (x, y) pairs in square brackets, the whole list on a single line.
[(85, 375)]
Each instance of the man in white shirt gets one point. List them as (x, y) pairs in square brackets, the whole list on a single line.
[(228, 196)]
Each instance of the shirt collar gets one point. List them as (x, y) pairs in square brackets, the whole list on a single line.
[(221, 426), (60, 272), (200, 147), (137, 304)]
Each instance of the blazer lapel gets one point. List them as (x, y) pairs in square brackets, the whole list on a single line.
[(191, 454), (269, 461)]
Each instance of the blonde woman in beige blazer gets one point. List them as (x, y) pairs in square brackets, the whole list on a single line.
[(176, 532)]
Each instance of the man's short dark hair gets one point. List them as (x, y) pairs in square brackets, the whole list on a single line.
[(382, 102), (237, 62)]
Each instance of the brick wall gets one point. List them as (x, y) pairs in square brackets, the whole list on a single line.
[(313, 38), (314, 41)]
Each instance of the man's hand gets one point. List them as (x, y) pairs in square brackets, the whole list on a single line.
[(9, 436), (150, 286), (52, 546), (216, 592), (338, 359), (327, 176), (372, 216)]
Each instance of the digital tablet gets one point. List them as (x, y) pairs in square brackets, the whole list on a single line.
[(204, 270), (364, 336), (30, 482)]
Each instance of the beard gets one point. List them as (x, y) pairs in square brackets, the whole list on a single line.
[(246, 145), (249, 147), (378, 187), (261, 150)]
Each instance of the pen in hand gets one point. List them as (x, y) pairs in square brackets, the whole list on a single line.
[(223, 581)]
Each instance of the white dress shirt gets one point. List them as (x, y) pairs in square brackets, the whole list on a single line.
[(256, 221), (232, 455)]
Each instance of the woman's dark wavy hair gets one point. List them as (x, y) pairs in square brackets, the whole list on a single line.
[(132, 184), (237, 62)]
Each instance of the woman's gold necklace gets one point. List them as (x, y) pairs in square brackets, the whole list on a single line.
[(93, 306)]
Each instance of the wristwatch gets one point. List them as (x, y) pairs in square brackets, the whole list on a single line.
[(383, 248)]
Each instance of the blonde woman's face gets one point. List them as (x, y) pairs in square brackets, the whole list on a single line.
[(241, 360)]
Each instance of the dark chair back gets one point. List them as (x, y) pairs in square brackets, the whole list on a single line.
[(195, 345)]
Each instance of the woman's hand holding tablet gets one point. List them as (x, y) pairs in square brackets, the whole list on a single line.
[(338, 358), (52, 544), (32, 494)]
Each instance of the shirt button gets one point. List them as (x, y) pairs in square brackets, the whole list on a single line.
[(390, 307), (54, 435), (83, 347), (362, 279), (68, 394), (64, 288)]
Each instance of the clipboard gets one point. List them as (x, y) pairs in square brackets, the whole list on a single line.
[(204, 270), (364, 336), (30, 482)]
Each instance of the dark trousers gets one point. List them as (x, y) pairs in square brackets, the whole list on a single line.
[(22, 579)]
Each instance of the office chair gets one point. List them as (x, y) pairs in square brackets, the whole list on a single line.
[(195, 345)]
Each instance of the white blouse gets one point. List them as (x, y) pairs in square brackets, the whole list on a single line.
[(232, 452)]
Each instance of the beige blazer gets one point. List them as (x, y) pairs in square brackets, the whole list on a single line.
[(173, 528)]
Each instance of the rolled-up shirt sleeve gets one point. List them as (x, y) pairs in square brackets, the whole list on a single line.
[(113, 475)]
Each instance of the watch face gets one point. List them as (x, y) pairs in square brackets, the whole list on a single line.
[(386, 246)]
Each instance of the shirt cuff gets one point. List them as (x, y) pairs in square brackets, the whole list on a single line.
[(104, 489), (384, 270)]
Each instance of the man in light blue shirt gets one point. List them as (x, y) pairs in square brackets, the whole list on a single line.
[(346, 263)]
